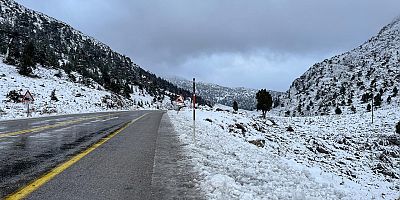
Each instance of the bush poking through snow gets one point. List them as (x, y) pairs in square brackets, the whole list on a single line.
[(338, 111), (13, 96), (48, 110), (235, 106), (353, 109), (2, 112), (290, 129), (53, 95), (398, 127), (209, 120)]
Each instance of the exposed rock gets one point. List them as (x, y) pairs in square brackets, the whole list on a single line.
[(259, 143), (290, 129), (322, 150), (209, 120), (241, 127), (394, 140)]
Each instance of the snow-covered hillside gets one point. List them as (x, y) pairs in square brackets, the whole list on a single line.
[(343, 80), (216, 94), (28, 38), (73, 96), (242, 156)]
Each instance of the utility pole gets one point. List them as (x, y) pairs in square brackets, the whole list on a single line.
[(194, 109)]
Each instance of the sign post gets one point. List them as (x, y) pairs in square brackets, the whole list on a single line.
[(28, 99), (194, 110)]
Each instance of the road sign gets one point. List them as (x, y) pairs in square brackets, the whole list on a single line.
[(28, 98), (179, 99)]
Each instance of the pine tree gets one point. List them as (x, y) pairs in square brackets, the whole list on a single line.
[(27, 63), (264, 101), (127, 91), (338, 111), (378, 100), (369, 107), (353, 109), (235, 106), (349, 102), (364, 98), (395, 91), (53, 95), (389, 99)]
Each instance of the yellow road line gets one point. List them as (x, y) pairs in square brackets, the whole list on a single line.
[(42, 128), (36, 184)]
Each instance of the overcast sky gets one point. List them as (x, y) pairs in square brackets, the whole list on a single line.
[(250, 43)]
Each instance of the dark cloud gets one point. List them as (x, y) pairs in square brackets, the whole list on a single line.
[(258, 43)]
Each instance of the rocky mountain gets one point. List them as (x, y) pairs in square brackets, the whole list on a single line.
[(348, 83), (217, 94), (29, 38)]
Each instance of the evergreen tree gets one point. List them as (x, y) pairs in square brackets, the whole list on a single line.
[(299, 108), (264, 101), (13, 96), (395, 91), (389, 99), (353, 109), (27, 63), (342, 90), (378, 100), (349, 102), (369, 107), (338, 111), (127, 91), (364, 98), (235, 106), (53, 95)]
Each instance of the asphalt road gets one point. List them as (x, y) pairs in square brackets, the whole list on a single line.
[(121, 168)]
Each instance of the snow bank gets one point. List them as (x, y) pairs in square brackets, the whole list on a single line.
[(233, 168)]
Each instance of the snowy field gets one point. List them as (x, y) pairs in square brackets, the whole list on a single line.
[(329, 157), (73, 97)]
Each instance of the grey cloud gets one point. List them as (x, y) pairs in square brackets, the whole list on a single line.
[(166, 36)]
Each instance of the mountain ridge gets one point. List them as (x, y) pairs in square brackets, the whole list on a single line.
[(58, 45), (217, 94), (343, 81)]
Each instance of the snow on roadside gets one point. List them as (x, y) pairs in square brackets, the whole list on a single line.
[(73, 97), (232, 168)]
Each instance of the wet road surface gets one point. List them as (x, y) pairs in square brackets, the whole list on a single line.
[(31, 147)]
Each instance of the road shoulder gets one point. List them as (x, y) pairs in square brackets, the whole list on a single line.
[(173, 174)]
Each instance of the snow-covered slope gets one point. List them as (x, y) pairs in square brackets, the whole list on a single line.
[(343, 80), (28, 38), (242, 156), (216, 94), (73, 96)]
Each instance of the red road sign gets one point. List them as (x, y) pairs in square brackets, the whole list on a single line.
[(28, 98), (179, 99)]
